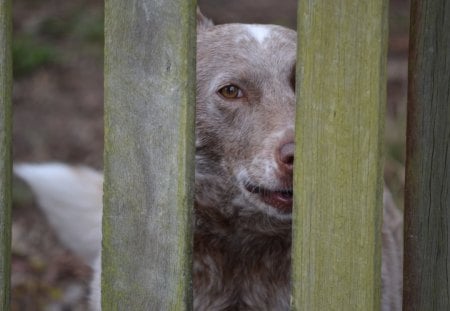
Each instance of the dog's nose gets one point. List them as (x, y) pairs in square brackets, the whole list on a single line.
[(286, 156)]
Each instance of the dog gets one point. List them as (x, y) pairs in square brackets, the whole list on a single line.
[(243, 178)]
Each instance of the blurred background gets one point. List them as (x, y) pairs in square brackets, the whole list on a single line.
[(58, 116)]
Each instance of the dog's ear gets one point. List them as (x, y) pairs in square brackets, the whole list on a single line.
[(202, 21)]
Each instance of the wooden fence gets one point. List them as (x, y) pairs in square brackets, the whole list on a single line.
[(339, 131), (427, 195), (150, 87), (149, 113), (5, 150)]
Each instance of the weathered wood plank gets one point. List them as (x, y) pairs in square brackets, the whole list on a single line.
[(339, 131), (149, 149), (427, 195), (5, 151)]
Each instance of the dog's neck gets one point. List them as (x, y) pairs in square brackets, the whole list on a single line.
[(240, 226), (234, 261)]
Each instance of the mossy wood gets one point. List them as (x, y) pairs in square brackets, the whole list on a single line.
[(427, 195), (149, 149), (341, 84), (5, 151)]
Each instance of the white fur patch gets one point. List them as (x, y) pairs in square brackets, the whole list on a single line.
[(71, 199), (259, 32)]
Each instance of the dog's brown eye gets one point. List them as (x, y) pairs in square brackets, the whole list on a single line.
[(230, 92)]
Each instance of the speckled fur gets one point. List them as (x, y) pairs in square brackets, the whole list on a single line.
[(241, 245)]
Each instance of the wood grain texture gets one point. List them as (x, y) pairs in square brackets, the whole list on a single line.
[(5, 151), (427, 195), (149, 154), (341, 83)]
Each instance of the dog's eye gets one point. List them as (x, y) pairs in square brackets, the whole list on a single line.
[(231, 92)]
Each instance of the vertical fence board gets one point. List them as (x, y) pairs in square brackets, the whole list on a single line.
[(339, 131), (149, 141), (5, 151), (427, 195)]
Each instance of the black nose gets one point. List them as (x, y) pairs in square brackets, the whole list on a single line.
[(286, 156)]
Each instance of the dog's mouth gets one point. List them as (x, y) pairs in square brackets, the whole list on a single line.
[(279, 199)]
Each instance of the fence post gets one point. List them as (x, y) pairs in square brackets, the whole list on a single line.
[(427, 195), (149, 154), (5, 151), (341, 85)]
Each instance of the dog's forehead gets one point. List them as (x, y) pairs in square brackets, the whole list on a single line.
[(245, 50), (248, 36)]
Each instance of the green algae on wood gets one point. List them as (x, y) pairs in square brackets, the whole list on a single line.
[(427, 188), (341, 84), (149, 149), (5, 151)]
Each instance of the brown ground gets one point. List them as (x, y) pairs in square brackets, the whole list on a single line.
[(58, 111)]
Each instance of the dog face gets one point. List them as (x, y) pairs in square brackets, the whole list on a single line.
[(245, 118)]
